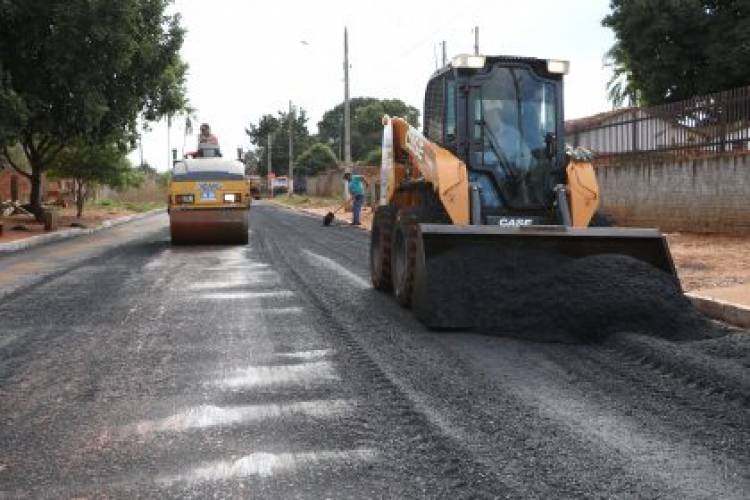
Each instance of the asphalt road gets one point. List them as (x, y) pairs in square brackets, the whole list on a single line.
[(131, 368)]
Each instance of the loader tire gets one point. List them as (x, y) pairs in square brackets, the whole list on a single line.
[(403, 255), (380, 248)]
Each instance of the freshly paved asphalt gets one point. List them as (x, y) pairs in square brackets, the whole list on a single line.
[(132, 368)]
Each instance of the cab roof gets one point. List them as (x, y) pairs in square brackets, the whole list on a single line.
[(540, 66), (206, 169)]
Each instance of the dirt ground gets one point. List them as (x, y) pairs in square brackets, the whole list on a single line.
[(707, 261), (344, 216), (321, 206), (18, 227)]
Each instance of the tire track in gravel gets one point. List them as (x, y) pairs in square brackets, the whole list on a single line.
[(506, 436), (465, 477), (614, 468), (725, 378)]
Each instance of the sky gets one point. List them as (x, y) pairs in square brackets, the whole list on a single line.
[(249, 58)]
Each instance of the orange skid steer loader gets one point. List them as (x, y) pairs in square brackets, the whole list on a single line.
[(487, 192)]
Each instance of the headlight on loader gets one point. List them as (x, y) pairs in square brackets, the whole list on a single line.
[(558, 67), (231, 198)]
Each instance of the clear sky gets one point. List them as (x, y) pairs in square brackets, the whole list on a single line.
[(247, 58)]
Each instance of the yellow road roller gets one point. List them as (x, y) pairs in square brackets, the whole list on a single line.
[(209, 201)]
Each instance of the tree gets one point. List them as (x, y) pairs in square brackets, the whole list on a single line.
[(84, 70), (367, 127), (374, 157), (90, 166), (315, 159), (147, 169), (278, 128), (251, 162), (621, 89), (675, 49)]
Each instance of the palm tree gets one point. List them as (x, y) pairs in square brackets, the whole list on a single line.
[(621, 88)]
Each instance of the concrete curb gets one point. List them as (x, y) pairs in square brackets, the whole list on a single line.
[(728, 312), (42, 239)]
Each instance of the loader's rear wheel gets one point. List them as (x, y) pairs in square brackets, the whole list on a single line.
[(380, 248), (403, 256)]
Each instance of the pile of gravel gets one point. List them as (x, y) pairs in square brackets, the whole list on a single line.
[(551, 297)]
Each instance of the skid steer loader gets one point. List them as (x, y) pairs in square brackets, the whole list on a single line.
[(489, 182)]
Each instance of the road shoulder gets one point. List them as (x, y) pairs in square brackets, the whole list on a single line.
[(43, 261), (64, 234)]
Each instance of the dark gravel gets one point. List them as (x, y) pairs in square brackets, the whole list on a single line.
[(275, 371), (551, 297)]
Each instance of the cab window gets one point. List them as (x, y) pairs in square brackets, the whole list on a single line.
[(433, 109), (450, 111)]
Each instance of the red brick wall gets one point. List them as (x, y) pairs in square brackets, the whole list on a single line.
[(24, 186)]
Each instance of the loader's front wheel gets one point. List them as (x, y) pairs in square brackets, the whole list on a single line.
[(380, 248), (403, 256)]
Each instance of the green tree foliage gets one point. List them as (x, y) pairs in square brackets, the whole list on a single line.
[(147, 169), (163, 179), (90, 166), (675, 49), (278, 127), (374, 157), (84, 70), (251, 162), (315, 159), (367, 127)]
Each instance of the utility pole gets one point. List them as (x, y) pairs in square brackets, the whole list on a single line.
[(476, 40), (170, 163), (268, 153), (290, 186), (445, 54), (347, 118)]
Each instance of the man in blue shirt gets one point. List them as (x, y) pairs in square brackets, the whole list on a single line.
[(356, 186)]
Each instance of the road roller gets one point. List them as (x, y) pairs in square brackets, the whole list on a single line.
[(209, 199)]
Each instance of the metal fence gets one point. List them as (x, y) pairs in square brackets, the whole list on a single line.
[(704, 125)]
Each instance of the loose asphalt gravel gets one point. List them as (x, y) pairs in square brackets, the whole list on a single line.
[(274, 370)]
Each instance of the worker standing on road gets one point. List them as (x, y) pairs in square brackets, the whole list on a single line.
[(356, 186)]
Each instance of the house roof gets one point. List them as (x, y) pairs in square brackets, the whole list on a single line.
[(593, 121)]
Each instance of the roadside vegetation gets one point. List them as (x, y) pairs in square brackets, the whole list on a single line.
[(130, 206), (307, 201), (75, 109), (315, 153), (672, 50)]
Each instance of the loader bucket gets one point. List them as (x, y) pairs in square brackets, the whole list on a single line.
[(463, 273)]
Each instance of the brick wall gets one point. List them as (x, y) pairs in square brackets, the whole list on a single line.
[(702, 195), (24, 186)]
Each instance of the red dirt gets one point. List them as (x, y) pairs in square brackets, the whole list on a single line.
[(707, 261), (92, 217)]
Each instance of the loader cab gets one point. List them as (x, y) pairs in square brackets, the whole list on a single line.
[(503, 116)]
